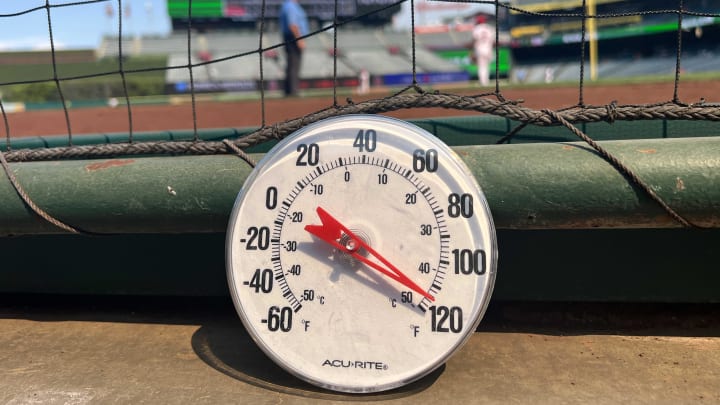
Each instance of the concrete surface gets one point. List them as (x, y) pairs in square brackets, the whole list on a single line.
[(77, 350)]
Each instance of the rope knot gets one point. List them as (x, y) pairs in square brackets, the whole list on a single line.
[(554, 118), (611, 111), (275, 131)]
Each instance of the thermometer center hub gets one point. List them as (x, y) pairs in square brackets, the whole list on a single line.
[(352, 245)]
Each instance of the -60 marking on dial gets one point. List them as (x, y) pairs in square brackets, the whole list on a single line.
[(361, 253)]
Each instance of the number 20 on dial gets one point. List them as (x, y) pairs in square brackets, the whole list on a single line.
[(361, 253)]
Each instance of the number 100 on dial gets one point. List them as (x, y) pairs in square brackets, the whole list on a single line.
[(361, 253)]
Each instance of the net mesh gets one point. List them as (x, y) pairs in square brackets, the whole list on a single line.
[(412, 96), (415, 95)]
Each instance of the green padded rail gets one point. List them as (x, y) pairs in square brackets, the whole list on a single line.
[(528, 186)]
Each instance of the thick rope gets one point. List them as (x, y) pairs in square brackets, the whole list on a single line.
[(240, 153), (620, 167), (29, 202), (489, 105)]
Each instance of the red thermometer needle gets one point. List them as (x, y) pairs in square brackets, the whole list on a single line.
[(331, 231)]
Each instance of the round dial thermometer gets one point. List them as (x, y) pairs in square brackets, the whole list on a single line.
[(361, 253)]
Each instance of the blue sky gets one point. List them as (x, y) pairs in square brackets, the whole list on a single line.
[(83, 26), (80, 26)]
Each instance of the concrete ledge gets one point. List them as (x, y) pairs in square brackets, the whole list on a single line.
[(82, 350)]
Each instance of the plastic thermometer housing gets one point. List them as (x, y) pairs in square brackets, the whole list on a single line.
[(361, 253)]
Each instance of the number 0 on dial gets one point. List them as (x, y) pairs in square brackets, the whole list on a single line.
[(361, 253)]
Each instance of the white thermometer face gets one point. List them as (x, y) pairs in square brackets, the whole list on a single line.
[(361, 253)]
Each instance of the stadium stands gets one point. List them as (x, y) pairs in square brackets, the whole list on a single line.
[(379, 51), (382, 52), (377, 61), (402, 40), (703, 61), (359, 39), (435, 40), (319, 64), (243, 68)]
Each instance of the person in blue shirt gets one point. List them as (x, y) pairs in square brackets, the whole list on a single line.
[(293, 25)]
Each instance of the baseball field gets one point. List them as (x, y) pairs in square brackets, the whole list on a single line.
[(239, 114)]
